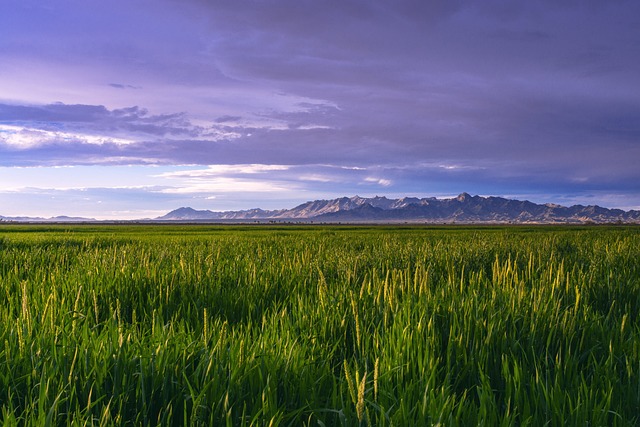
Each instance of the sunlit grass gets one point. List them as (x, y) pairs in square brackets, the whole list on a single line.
[(319, 326)]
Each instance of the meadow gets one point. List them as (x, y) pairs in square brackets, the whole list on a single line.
[(319, 326)]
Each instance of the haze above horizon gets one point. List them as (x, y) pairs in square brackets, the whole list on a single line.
[(124, 110)]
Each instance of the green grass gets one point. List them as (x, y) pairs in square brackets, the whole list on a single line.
[(299, 325)]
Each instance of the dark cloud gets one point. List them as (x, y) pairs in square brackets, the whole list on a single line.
[(121, 86), (52, 113), (98, 120), (227, 118)]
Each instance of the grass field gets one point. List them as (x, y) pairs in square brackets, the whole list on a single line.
[(319, 326)]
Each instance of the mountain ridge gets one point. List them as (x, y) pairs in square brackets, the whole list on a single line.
[(464, 208)]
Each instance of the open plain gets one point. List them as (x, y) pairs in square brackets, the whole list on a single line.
[(311, 325)]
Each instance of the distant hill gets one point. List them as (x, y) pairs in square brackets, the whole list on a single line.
[(464, 208), (188, 214)]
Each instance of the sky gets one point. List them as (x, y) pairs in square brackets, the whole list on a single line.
[(127, 109)]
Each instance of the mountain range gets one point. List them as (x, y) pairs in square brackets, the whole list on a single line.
[(461, 209)]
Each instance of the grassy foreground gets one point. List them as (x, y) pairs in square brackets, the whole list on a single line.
[(319, 326)]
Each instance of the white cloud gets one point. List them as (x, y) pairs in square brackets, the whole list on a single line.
[(227, 185), (317, 178), (224, 179), (22, 138), (457, 166), (380, 181), (218, 170)]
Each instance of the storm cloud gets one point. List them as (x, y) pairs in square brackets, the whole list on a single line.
[(537, 99)]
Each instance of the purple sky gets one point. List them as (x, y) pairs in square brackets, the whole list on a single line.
[(129, 109)]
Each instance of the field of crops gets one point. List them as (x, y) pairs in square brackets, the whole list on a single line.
[(257, 325)]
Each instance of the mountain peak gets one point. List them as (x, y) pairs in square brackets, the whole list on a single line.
[(187, 213), (183, 210), (463, 196)]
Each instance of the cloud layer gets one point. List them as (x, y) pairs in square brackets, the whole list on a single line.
[(538, 99)]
